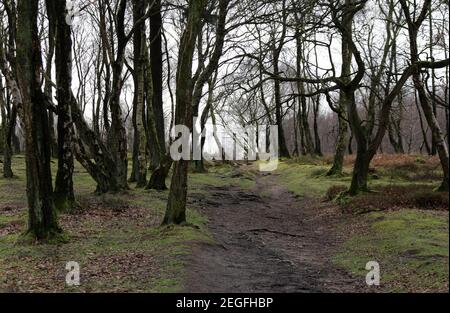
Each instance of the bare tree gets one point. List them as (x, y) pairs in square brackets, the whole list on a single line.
[(42, 223)]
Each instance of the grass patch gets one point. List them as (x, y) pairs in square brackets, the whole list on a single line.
[(411, 247), (222, 175), (308, 179), (307, 176)]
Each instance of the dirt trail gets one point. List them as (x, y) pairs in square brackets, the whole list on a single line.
[(268, 240)]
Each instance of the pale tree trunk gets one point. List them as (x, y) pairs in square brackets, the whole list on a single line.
[(64, 194), (200, 164), (50, 5), (140, 136)]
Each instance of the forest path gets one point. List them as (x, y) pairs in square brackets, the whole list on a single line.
[(267, 240)]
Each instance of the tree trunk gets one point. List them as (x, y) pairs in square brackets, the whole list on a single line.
[(317, 143), (438, 140), (283, 151), (359, 131), (159, 175), (64, 194), (160, 163), (200, 164), (117, 136), (360, 170), (308, 142), (341, 144), (135, 155), (176, 206), (42, 222), (276, 50), (140, 163), (50, 6), (9, 116), (345, 99), (436, 133), (156, 62)]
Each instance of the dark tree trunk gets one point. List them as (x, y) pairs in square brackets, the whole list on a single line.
[(307, 142), (116, 137), (345, 98), (350, 144), (295, 153), (135, 155), (283, 150), (159, 175), (9, 116), (160, 165), (276, 52), (394, 131), (341, 141), (42, 222), (422, 128), (155, 112), (156, 60), (176, 206), (438, 140), (317, 143), (360, 170)]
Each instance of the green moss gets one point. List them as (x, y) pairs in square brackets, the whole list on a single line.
[(104, 242), (7, 219), (305, 179), (220, 176), (411, 246)]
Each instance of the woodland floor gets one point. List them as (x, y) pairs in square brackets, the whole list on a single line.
[(280, 232), (267, 240)]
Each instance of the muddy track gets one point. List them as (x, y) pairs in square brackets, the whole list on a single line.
[(268, 240)]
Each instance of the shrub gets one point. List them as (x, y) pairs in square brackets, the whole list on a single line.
[(394, 198), (432, 200)]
